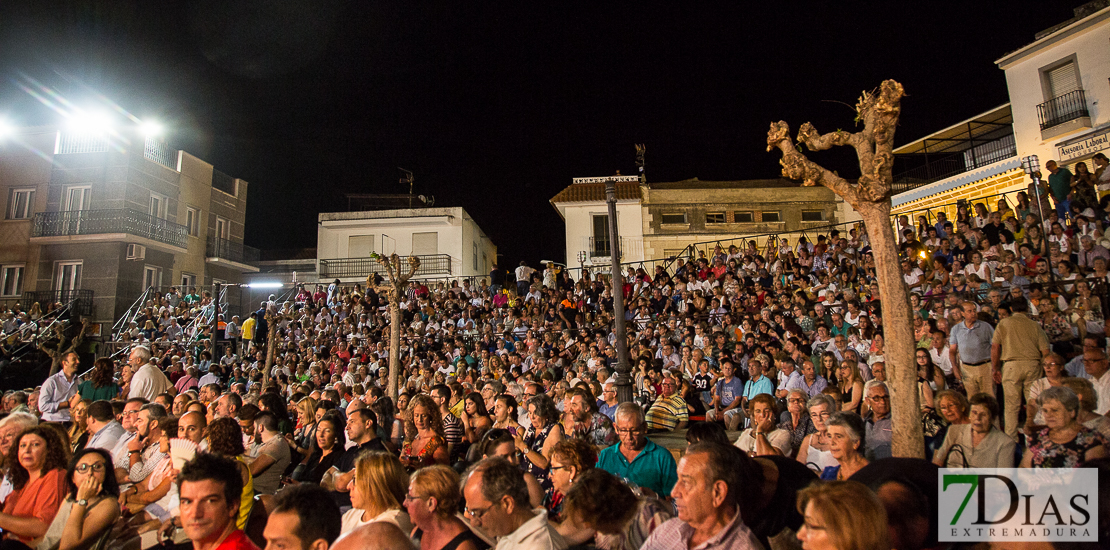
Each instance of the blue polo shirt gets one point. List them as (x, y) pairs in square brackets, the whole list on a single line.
[(653, 468)]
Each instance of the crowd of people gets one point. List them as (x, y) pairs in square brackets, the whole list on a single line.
[(507, 429)]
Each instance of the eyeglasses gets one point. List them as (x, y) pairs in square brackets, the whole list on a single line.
[(477, 513), (96, 467), (414, 497), (795, 400), (625, 431)]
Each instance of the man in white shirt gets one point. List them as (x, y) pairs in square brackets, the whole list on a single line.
[(1094, 360), (57, 393), (104, 431), (148, 380), (497, 503)]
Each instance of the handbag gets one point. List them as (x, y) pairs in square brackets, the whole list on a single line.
[(956, 448), (931, 422)]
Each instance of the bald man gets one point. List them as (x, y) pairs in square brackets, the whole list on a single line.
[(380, 535)]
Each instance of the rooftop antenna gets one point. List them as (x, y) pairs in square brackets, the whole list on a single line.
[(407, 178)]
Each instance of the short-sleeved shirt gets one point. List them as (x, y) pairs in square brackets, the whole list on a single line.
[(756, 387), (729, 391), (269, 481), (1021, 338), (974, 344), (39, 499), (653, 468), (667, 413)]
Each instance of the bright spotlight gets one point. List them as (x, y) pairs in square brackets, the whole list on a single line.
[(264, 285), (6, 129), (90, 123), (151, 128)]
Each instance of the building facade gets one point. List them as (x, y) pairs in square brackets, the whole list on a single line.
[(96, 218), (448, 242), (586, 218), (1058, 85)]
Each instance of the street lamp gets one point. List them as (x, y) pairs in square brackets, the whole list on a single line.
[(623, 377), (1032, 167)]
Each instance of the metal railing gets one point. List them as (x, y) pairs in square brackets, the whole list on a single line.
[(81, 299), (946, 166), (1061, 109), (431, 264), (81, 142), (116, 220), (600, 247), (231, 250), (156, 150)]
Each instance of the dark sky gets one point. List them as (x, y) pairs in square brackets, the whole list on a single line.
[(496, 106)]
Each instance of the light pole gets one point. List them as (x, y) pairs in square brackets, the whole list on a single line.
[(1032, 166), (623, 375)]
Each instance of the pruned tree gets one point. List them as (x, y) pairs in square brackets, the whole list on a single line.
[(395, 289), (59, 345), (878, 112)]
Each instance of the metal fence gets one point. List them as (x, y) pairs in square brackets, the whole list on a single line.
[(231, 250), (339, 268), (1061, 109), (81, 300), (156, 150), (118, 220)]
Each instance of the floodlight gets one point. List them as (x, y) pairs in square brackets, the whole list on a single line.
[(6, 128), (264, 285), (90, 122), (151, 128)]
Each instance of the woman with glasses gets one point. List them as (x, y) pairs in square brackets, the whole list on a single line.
[(90, 509), (433, 502), (799, 424), (377, 492), (814, 450)]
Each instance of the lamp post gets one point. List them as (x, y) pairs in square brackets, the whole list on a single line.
[(1032, 166), (623, 374)]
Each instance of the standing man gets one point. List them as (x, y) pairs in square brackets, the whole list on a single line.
[(149, 380), (708, 503), (523, 278), (1017, 347), (210, 490), (635, 457), (232, 331), (59, 392), (1059, 183), (970, 351)]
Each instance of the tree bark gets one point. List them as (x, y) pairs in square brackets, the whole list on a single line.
[(394, 349), (395, 290)]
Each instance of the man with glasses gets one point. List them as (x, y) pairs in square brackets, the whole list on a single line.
[(669, 412), (636, 458), (608, 403), (1098, 370), (497, 502), (879, 429), (127, 420)]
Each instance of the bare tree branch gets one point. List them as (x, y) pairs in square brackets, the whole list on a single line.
[(796, 166)]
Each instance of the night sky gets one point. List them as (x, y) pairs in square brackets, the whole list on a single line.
[(496, 106)]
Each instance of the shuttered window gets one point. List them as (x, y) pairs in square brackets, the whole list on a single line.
[(1063, 79)]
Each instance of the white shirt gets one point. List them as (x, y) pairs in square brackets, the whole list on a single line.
[(148, 382), (56, 390), (534, 534), (1102, 387)]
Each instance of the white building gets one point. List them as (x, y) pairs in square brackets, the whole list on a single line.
[(1058, 85), (448, 242), (586, 217)]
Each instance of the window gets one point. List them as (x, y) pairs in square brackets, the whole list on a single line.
[(475, 256), (714, 217), (360, 246), (673, 218), (11, 280), (20, 202), (158, 205), (67, 275), (152, 276), (425, 244), (672, 252), (744, 216), (813, 216), (1061, 79), (599, 245), (192, 220), (223, 228), (77, 198), (188, 280), (771, 217)]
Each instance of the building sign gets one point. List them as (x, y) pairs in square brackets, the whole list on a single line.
[(1018, 504), (607, 178), (1087, 146)]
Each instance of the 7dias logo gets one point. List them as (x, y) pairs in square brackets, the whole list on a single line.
[(1010, 504)]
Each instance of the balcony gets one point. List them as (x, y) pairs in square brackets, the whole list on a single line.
[(599, 248), (343, 268), (114, 221), (231, 251), (81, 299), (1061, 109)]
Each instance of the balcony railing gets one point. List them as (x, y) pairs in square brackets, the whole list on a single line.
[(82, 299), (120, 220), (1061, 109), (432, 264), (599, 247), (231, 250), (942, 166)]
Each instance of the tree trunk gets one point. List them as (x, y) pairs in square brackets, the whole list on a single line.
[(271, 336), (394, 344), (907, 437)]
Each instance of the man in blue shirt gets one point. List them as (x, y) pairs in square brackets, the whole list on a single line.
[(636, 458), (757, 384), (726, 398)]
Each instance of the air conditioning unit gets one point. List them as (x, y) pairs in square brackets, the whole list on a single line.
[(136, 252)]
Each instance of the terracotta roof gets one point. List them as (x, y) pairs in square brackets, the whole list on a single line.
[(695, 183), (594, 192)]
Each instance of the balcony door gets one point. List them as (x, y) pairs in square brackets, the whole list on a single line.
[(77, 199), (67, 276)]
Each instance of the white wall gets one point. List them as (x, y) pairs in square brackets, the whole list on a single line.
[(579, 229), (1091, 46)]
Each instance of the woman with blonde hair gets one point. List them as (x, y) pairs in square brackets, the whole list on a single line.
[(433, 503), (829, 524), (377, 492), (305, 432), (850, 384)]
